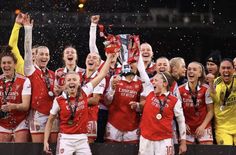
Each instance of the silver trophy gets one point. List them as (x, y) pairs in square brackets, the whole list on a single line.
[(124, 52)]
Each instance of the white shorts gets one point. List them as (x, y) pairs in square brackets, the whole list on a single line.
[(24, 125), (73, 143), (113, 134), (161, 147), (92, 129), (37, 122), (207, 136)]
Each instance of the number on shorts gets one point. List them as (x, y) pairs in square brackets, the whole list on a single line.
[(169, 150)]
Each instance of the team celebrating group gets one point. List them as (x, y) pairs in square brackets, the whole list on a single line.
[(154, 104)]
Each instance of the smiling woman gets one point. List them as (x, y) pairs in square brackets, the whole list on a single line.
[(72, 107), (70, 59), (8, 62), (15, 96)]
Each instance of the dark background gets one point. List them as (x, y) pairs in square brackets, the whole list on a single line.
[(211, 25), (113, 149)]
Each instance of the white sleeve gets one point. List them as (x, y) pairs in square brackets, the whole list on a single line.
[(99, 89), (147, 89), (147, 85), (92, 38), (55, 107), (178, 111), (110, 92), (208, 98), (26, 87), (176, 91), (28, 64), (88, 88)]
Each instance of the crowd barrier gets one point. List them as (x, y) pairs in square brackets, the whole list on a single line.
[(112, 149)]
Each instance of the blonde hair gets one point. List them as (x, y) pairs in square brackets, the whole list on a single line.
[(175, 61), (202, 78)]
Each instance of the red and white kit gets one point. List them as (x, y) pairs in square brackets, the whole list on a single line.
[(195, 114), (41, 102), (16, 120), (156, 129), (151, 69), (73, 137), (123, 122), (93, 110), (61, 72), (112, 71)]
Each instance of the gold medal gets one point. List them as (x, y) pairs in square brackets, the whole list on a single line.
[(158, 116), (50, 93), (70, 122)]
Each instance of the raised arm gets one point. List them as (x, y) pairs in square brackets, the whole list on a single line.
[(147, 86), (103, 71), (29, 66), (92, 34), (141, 68), (13, 42)]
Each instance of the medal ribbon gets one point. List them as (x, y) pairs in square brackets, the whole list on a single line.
[(162, 104), (194, 97), (47, 80), (6, 93), (72, 110)]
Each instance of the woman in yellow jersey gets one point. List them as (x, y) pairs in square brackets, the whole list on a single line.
[(223, 92), (13, 42)]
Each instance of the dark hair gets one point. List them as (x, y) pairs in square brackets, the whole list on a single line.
[(69, 46), (215, 57), (7, 51), (162, 57), (229, 60)]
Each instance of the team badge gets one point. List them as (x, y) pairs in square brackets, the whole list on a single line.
[(70, 122)]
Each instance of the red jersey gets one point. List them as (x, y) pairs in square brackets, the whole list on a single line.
[(112, 72), (151, 69), (99, 89), (80, 121), (40, 100), (14, 91), (121, 115), (195, 114), (157, 129), (61, 72)]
